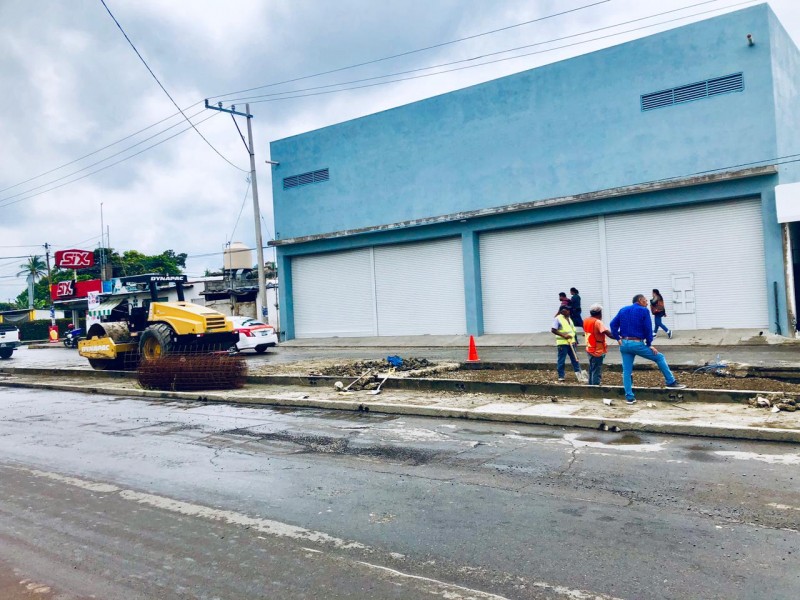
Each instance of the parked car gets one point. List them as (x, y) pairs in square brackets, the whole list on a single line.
[(9, 340), (254, 335)]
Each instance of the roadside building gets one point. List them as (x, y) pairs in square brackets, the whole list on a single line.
[(651, 164)]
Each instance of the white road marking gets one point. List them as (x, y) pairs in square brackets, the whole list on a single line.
[(773, 459), (275, 528), (457, 592), (783, 506), (268, 526)]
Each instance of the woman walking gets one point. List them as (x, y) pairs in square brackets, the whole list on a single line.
[(659, 312)]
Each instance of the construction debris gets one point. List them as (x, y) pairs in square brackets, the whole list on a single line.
[(776, 405), (359, 367)]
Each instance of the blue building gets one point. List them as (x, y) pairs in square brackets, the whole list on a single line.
[(651, 164)]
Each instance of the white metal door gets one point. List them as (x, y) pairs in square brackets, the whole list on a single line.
[(523, 270), (333, 294), (720, 244), (419, 288)]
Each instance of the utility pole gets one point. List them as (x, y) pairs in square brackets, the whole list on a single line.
[(262, 282), (49, 284)]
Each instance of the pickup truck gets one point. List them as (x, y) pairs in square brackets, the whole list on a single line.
[(9, 340)]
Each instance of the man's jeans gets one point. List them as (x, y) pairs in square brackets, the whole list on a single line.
[(630, 349), (595, 369), (563, 353)]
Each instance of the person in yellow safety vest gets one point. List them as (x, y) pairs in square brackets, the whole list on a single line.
[(566, 336)]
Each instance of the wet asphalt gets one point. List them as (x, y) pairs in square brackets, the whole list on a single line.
[(126, 498)]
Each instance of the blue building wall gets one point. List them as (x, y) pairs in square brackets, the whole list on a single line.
[(565, 128)]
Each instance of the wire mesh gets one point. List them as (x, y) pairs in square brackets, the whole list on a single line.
[(191, 369)]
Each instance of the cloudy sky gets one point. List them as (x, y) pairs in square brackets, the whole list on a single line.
[(83, 115)]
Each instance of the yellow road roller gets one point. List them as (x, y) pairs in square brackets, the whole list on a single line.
[(136, 328)]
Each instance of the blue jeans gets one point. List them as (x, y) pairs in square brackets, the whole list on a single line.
[(563, 353), (595, 369), (630, 349), (660, 324)]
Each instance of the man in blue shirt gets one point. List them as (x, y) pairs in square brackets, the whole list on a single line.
[(633, 329)]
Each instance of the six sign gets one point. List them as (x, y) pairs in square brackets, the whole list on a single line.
[(74, 259)]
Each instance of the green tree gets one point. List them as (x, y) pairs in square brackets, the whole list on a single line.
[(35, 266)]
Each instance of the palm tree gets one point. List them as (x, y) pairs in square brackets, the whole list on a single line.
[(35, 266), (34, 269)]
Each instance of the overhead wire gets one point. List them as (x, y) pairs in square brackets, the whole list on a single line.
[(289, 81), (241, 209), (4, 204), (489, 54), (254, 100), (416, 51), (123, 151), (144, 62), (318, 74)]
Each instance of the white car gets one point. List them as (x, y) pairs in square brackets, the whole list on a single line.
[(254, 335)]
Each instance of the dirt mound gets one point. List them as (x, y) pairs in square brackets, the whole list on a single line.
[(358, 368)]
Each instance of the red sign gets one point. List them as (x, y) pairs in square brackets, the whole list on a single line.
[(71, 290), (74, 259), (65, 288)]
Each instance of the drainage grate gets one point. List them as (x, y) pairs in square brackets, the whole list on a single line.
[(294, 181), (693, 91)]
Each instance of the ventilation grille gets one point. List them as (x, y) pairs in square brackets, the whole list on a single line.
[(305, 179), (694, 91)]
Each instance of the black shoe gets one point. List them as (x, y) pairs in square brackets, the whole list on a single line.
[(675, 385), (631, 402)]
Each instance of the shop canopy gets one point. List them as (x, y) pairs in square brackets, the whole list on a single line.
[(106, 307)]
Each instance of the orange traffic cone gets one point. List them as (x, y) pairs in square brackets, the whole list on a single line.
[(473, 351)]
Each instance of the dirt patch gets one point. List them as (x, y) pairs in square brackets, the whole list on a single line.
[(641, 378)]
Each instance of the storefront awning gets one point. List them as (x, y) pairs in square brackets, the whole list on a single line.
[(105, 308)]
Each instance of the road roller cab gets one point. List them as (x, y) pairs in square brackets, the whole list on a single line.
[(132, 330)]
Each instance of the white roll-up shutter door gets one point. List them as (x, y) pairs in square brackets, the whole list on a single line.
[(333, 294), (523, 270), (712, 254), (420, 288)]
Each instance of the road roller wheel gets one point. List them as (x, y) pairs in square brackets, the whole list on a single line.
[(156, 341)]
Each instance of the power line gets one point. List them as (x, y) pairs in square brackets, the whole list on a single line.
[(255, 101), (244, 199), (58, 168), (409, 52), (144, 62), (486, 55), (52, 181), (107, 166)]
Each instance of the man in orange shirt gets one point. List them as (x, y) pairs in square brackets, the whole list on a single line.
[(596, 346)]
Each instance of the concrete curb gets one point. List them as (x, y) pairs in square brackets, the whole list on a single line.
[(587, 422), (585, 392)]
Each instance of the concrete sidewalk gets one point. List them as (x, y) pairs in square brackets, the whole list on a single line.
[(724, 420), (702, 337)]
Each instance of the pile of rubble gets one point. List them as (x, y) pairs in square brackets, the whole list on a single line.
[(776, 404), (358, 368)]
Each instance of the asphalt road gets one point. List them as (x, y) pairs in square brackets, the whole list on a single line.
[(117, 498)]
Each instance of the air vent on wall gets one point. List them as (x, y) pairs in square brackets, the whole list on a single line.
[(694, 91), (294, 181)]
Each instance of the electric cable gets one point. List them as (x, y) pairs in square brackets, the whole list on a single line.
[(235, 225), (144, 62), (255, 101), (409, 52), (4, 204), (94, 164), (319, 74), (127, 137)]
